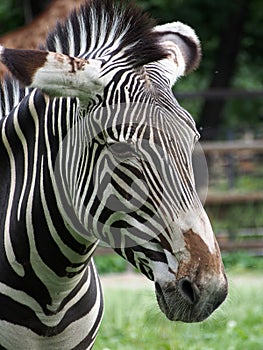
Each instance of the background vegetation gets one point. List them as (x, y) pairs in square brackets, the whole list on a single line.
[(231, 36), (133, 321)]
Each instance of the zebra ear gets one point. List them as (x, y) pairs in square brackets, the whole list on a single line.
[(182, 45), (55, 74)]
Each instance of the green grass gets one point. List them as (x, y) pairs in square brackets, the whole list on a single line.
[(133, 321)]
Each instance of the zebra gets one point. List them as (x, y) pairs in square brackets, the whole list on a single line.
[(96, 149)]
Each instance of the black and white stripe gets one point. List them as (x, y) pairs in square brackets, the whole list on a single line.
[(46, 270), (112, 164)]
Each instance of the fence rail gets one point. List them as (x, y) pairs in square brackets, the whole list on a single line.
[(255, 146), (220, 93), (236, 158), (234, 198)]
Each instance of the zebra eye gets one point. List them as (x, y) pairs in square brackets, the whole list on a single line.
[(122, 149)]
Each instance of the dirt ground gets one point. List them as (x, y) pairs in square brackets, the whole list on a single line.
[(126, 280), (132, 281)]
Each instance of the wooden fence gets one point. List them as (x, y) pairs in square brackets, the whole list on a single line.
[(247, 156)]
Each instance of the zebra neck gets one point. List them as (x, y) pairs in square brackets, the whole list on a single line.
[(38, 239)]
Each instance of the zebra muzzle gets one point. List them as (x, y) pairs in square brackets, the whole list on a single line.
[(185, 301)]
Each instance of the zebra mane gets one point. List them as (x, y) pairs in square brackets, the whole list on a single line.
[(100, 29), (11, 93), (103, 28)]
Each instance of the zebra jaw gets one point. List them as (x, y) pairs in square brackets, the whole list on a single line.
[(56, 74)]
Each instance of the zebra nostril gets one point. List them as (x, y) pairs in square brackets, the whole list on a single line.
[(189, 290), (221, 296)]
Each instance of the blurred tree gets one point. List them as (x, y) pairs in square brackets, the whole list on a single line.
[(225, 65), (231, 36), (32, 8), (232, 44), (16, 13), (11, 15)]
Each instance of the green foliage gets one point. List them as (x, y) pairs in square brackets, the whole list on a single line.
[(192, 82), (234, 217), (242, 184), (246, 183), (11, 15), (242, 261), (110, 263)]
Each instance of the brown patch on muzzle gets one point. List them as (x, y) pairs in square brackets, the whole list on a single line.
[(201, 261), (200, 286)]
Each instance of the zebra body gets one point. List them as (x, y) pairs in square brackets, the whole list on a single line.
[(43, 293), (98, 149)]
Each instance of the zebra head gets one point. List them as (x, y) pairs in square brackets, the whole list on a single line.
[(124, 162)]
